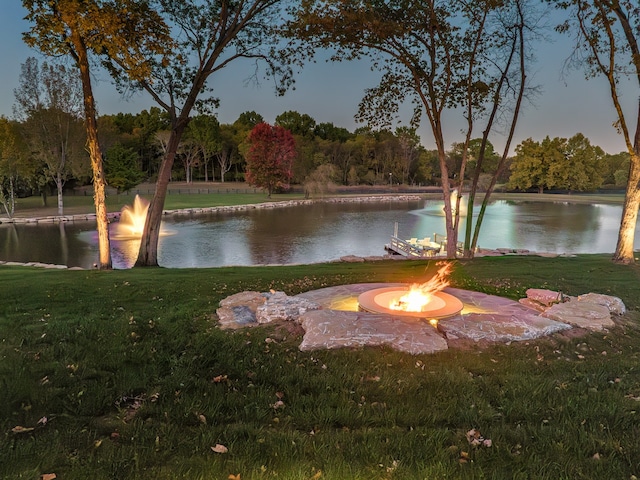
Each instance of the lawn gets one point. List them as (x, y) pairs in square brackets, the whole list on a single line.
[(180, 196), (124, 375)]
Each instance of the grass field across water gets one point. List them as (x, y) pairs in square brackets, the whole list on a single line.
[(124, 375)]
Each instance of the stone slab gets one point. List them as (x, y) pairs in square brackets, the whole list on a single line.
[(614, 304), (239, 310), (498, 327), (544, 297), (581, 314), (325, 329), (280, 307)]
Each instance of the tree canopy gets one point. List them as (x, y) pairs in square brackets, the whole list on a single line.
[(270, 157), (566, 164), (209, 35), (439, 56), (122, 34), (607, 44)]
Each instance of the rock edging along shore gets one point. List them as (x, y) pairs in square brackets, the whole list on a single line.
[(225, 208)]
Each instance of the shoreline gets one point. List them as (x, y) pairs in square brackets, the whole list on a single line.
[(606, 199), (379, 198), (224, 208)]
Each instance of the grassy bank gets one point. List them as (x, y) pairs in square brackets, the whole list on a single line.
[(124, 375), (80, 204), (195, 196)]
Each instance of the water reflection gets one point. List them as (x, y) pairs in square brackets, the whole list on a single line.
[(317, 233)]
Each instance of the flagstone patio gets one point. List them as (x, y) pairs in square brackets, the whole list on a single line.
[(330, 318)]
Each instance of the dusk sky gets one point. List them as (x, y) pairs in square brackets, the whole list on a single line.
[(331, 92)]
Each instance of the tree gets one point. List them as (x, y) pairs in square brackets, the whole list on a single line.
[(188, 151), (409, 149), (146, 125), (227, 149), (607, 35), (49, 102), (121, 32), (572, 164), (513, 24), (204, 131), (210, 34), (617, 169), (530, 167), (578, 167), (121, 168), (298, 124), (269, 160), (328, 131), (321, 180), (13, 154), (435, 54)]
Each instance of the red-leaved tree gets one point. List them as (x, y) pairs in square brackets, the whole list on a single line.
[(270, 157)]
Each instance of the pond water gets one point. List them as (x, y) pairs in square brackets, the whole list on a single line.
[(318, 233)]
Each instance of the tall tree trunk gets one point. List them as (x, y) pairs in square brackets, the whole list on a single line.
[(519, 44), (95, 153), (148, 254), (59, 185), (626, 234)]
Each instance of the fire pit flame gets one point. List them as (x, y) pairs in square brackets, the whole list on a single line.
[(419, 295), (424, 300)]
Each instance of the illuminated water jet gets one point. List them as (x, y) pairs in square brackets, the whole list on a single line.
[(132, 219)]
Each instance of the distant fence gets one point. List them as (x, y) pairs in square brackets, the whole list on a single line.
[(194, 189), (171, 191)]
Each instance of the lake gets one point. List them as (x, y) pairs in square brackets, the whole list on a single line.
[(319, 233)]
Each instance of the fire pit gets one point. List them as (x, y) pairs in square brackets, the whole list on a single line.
[(381, 300), (426, 300)]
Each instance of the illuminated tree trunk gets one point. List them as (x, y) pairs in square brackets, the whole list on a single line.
[(97, 167), (626, 234)]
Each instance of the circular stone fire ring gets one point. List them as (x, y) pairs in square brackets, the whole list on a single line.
[(377, 300)]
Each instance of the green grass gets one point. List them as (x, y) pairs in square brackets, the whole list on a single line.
[(136, 382)]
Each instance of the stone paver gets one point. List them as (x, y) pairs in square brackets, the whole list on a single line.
[(329, 329), (581, 314)]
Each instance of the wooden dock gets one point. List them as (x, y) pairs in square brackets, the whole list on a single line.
[(426, 247), (417, 249)]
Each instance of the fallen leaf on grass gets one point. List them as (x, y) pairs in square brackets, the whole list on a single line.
[(21, 429), (476, 439), (219, 448), (317, 475)]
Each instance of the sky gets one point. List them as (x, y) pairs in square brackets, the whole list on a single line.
[(331, 92)]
